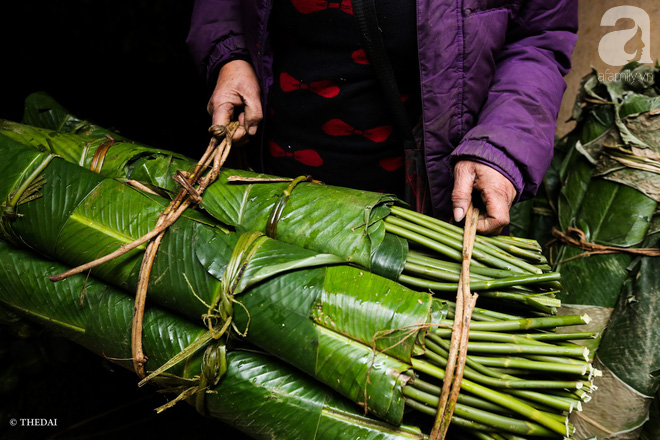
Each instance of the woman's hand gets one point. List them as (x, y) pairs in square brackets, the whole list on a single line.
[(237, 93), (497, 193)]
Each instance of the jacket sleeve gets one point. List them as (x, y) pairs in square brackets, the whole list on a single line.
[(515, 128), (216, 35)]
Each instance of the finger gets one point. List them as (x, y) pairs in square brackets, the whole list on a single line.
[(222, 117), (461, 196), (253, 114), (496, 215), (221, 114), (488, 225), (240, 130)]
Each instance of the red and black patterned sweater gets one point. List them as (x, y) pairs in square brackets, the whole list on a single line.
[(327, 116)]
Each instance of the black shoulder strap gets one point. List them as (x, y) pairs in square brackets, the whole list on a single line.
[(365, 14)]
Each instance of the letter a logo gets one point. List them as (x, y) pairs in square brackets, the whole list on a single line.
[(611, 47)]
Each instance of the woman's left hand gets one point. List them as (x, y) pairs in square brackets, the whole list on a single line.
[(497, 193)]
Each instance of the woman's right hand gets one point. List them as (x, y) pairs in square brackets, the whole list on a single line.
[(237, 93)]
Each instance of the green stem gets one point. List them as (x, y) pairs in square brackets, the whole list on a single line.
[(526, 338), (455, 420), (425, 260), (573, 395), (481, 374), (525, 243), (480, 314), (557, 359), (496, 348), (438, 274), (485, 250), (499, 422), (541, 401), (462, 398), (427, 229), (521, 363), (501, 372), (519, 251), (481, 245), (512, 437), (501, 399), (442, 249), (525, 298), (580, 368), (539, 302), (483, 436), (481, 285), (527, 323)]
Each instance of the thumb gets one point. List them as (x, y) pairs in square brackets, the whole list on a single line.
[(221, 114), (461, 196)]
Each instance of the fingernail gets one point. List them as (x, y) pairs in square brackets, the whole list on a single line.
[(458, 214), (252, 130)]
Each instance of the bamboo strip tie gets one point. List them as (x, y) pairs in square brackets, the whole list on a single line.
[(214, 157), (465, 303), (577, 238)]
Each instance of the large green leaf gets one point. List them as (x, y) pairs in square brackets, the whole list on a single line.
[(262, 397), (258, 395), (324, 218), (371, 379), (65, 305), (74, 148), (88, 311), (630, 345), (188, 269), (614, 214), (121, 157), (272, 257), (277, 315), (610, 214), (43, 111), (279, 310), (595, 280), (609, 189), (57, 195), (370, 309), (574, 187)]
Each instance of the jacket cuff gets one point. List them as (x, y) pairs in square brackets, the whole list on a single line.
[(482, 151), (229, 49)]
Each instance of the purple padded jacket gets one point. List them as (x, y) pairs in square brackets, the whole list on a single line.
[(491, 76)]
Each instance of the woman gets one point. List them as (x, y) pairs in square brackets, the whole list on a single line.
[(486, 77)]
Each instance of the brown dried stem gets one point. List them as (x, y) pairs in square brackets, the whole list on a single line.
[(577, 238), (465, 303), (188, 195)]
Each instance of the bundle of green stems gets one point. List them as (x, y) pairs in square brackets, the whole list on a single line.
[(512, 269), (522, 376), (516, 384)]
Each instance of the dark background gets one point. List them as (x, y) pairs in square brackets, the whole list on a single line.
[(121, 64)]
